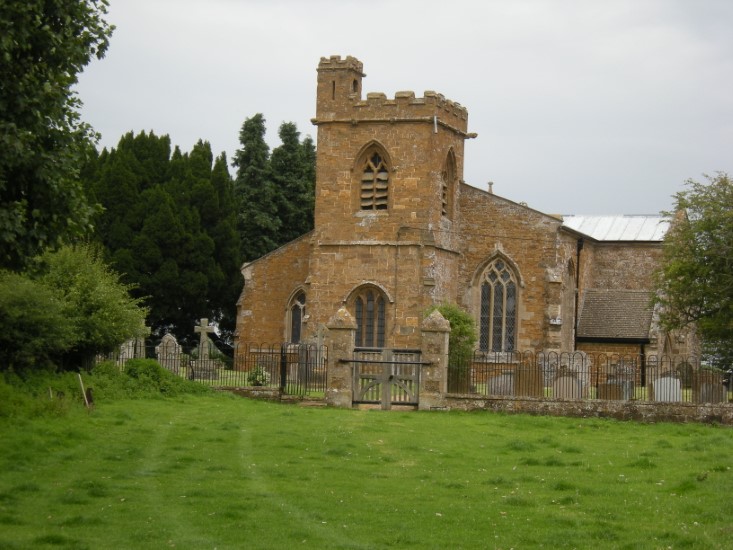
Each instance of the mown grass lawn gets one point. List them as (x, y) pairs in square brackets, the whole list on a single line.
[(224, 472)]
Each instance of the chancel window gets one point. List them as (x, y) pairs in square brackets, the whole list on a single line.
[(370, 314), (374, 192), (498, 316), (297, 314)]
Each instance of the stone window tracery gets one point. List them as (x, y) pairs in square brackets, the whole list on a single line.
[(498, 314), (374, 192), (370, 313)]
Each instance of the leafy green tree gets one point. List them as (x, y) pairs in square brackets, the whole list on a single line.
[(259, 200), (34, 327), (695, 282), (44, 44), (99, 307), (462, 338)]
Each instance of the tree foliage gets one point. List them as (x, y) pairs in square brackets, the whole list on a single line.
[(70, 308), (462, 338), (169, 226), (44, 44), (695, 282), (274, 192)]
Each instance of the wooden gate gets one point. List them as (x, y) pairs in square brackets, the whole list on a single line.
[(386, 376)]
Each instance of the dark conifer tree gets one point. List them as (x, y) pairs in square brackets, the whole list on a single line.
[(258, 199), (168, 227), (290, 173)]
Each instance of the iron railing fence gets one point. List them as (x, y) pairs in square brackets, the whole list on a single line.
[(580, 375), (297, 369)]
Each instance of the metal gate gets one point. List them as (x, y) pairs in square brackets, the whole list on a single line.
[(386, 376)]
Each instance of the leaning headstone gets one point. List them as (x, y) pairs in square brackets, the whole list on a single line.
[(168, 353), (567, 386), (708, 387), (666, 388), (502, 384)]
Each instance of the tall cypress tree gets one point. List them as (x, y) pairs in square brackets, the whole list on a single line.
[(258, 199), (291, 174)]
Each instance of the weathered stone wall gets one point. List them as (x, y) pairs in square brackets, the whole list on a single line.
[(628, 266), (621, 410), (534, 246), (596, 348), (269, 284)]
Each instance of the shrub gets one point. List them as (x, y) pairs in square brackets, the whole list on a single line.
[(258, 376)]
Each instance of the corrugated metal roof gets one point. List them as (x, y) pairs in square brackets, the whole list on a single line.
[(619, 228)]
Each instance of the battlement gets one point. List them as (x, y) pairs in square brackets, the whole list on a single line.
[(335, 63), (408, 100), (340, 100)]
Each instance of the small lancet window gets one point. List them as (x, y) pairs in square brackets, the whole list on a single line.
[(297, 314), (448, 177), (374, 184)]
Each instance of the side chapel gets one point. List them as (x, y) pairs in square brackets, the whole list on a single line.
[(398, 230)]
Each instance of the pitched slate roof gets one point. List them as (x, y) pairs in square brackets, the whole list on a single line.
[(615, 314), (619, 228)]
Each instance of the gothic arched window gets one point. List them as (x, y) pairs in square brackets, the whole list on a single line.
[(370, 313), (374, 189), (498, 316), (296, 313)]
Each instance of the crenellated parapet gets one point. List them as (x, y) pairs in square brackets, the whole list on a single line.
[(335, 63), (406, 105), (339, 100)]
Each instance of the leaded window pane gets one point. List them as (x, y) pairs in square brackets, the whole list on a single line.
[(498, 309), (359, 307)]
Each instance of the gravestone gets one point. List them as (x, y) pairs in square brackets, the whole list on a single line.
[(707, 387), (619, 386), (502, 384), (168, 353), (567, 386), (667, 388), (530, 380), (204, 367)]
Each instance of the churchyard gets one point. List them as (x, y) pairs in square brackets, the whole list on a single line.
[(218, 471)]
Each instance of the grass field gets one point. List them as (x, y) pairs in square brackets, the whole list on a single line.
[(222, 472)]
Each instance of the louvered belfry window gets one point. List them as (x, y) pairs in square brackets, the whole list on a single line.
[(374, 183), (498, 322)]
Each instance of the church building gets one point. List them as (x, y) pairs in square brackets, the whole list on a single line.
[(397, 230)]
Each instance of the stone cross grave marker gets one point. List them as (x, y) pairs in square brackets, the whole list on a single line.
[(204, 329), (205, 368)]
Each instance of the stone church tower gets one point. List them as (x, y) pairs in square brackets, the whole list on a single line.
[(388, 173)]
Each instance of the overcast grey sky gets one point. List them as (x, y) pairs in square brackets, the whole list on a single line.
[(581, 106)]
